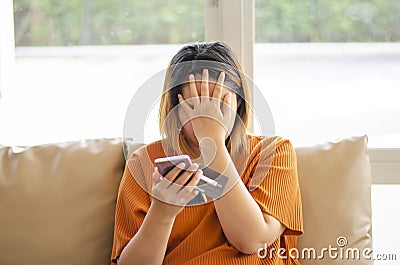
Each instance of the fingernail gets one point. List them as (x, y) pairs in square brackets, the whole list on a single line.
[(191, 77)]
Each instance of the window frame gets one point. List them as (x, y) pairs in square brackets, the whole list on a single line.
[(385, 165), (232, 21)]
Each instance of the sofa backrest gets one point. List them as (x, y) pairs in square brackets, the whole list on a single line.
[(57, 201)]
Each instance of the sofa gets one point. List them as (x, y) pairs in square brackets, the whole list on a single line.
[(57, 201)]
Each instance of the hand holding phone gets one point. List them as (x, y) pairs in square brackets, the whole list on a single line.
[(176, 187), (211, 182)]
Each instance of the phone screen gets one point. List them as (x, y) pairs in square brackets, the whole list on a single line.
[(165, 164)]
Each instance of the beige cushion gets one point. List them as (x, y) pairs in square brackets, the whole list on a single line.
[(335, 183), (57, 202)]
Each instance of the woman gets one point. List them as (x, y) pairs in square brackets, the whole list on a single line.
[(204, 111)]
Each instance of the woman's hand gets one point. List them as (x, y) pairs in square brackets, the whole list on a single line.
[(172, 192), (210, 116)]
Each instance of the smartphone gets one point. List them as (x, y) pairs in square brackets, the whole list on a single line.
[(211, 182), (165, 164)]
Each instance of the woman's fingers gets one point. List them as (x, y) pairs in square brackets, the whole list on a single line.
[(177, 187), (177, 177), (188, 195), (156, 177), (195, 179), (186, 175), (174, 172), (217, 93), (204, 84), (193, 88), (185, 105), (227, 102), (188, 191)]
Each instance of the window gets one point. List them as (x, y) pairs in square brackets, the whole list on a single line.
[(84, 22), (330, 68), (79, 62)]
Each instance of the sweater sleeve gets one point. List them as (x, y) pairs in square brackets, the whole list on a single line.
[(132, 205), (277, 191)]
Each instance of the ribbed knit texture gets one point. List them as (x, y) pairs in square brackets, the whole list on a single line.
[(197, 237)]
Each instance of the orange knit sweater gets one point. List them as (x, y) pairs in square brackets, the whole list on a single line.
[(197, 237)]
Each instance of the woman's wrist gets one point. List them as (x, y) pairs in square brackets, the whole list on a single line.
[(210, 147), (165, 213)]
